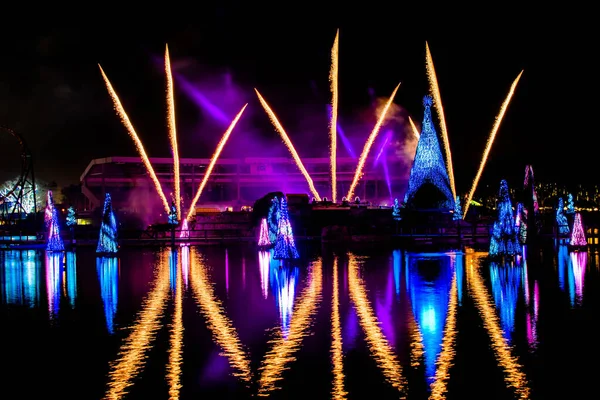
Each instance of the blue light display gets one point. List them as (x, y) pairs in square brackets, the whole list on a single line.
[(504, 239), (428, 165), (273, 219), (396, 213), (563, 265), (508, 284), (173, 217), (429, 280), (173, 271), (20, 281), (457, 210), (71, 277), (521, 223), (397, 264), (71, 217), (54, 241), (284, 282), (285, 248), (108, 275), (570, 204), (107, 240), (561, 219)]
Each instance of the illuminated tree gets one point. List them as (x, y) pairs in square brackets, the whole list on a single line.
[(570, 204), (54, 242), (173, 217), (561, 219), (396, 210), (263, 237), (71, 217), (285, 248), (457, 210), (107, 240), (429, 166), (578, 235), (521, 223), (273, 219), (504, 238)]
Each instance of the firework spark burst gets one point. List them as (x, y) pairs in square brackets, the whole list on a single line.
[(289, 144), (173, 130), (369, 144), (136, 139), (333, 78), (490, 140), (415, 131), (437, 102)]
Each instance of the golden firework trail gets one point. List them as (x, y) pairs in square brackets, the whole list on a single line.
[(136, 139), (289, 145), (490, 141), (213, 161), (415, 131), (369, 143), (173, 130), (333, 78), (437, 101)]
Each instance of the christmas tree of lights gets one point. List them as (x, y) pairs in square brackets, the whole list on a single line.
[(428, 165), (54, 242), (396, 214), (107, 240), (173, 217), (273, 219), (570, 204), (561, 219), (285, 248), (71, 217), (521, 223), (504, 239), (263, 237), (185, 230), (578, 235), (457, 210)]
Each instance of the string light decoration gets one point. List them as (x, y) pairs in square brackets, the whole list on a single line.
[(504, 239), (428, 165), (273, 219), (396, 210), (263, 237), (285, 248), (107, 240), (561, 219), (570, 204), (173, 217), (54, 241), (457, 210), (578, 235), (71, 217), (521, 223)]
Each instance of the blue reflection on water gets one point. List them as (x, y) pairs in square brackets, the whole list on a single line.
[(173, 270), (284, 281), (428, 280), (508, 282), (108, 275), (71, 277), (397, 263), (20, 280), (571, 273), (54, 262)]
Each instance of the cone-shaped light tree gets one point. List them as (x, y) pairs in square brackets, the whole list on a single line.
[(285, 248), (107, 240), (54, 241)]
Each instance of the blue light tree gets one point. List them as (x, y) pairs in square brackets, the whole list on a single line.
[(285, 248), (504, 239), (71, 217), (273, 219), (107, 240), (521, 223), (396, 210), (570, 204), (54, 242), (428, 165), (561, 219), (173, 217), (457, 210)]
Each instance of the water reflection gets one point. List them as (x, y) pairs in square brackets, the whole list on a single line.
[(514, 376), (264, 260), (176, 349), (284, 280), (53, 281), (70, 278), (337, 357), (508, 282), (185, 265), (20, 281), (132, 355), (173, 270), (378, 344), (571, 273), (108, 275)]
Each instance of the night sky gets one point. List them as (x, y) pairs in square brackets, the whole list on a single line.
[(52, 93)]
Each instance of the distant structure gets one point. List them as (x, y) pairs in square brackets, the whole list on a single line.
[(429, 185)]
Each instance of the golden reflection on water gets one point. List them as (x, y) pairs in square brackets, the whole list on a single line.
[(445, 359), (131, 358), (219, 324), (378, 344), (417, 349), (176, 349), (282, 352), (337, 357), (513, 374)]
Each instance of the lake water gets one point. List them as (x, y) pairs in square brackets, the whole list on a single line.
[(216, 322)]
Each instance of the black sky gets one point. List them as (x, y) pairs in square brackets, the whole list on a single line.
[(52, 93)]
